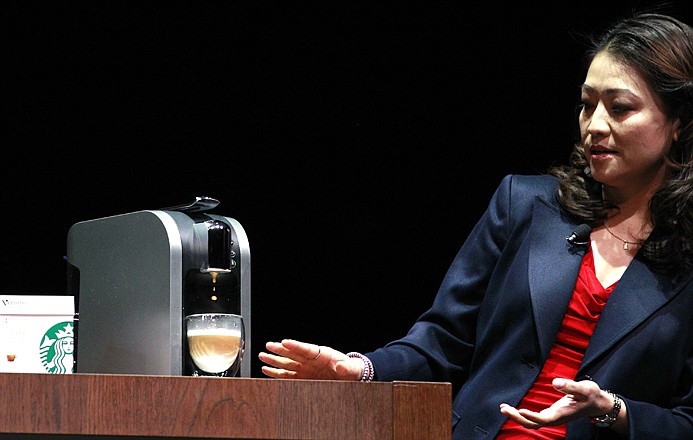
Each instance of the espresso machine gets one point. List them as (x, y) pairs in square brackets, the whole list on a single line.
[(135, 276)]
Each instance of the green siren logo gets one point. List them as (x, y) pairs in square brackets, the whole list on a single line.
[(57, 348)]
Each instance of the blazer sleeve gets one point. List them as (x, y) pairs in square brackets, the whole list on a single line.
[(673, 421), (646, 420)]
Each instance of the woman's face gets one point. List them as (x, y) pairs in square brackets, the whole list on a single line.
[(623, 127)]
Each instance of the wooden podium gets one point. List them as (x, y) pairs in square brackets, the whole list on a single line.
[(103, 406)]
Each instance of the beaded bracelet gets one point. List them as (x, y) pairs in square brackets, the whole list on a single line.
[(368, 371)]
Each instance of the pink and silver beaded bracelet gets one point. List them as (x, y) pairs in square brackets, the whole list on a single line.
[(368, 371)]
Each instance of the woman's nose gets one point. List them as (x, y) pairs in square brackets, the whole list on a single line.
[(598, 125)]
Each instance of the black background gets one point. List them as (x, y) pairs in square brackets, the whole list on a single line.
[(357, 143)]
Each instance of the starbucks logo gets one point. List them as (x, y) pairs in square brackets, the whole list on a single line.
[(57, 348)]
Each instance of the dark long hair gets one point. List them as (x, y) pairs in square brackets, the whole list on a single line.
[(660, 48)]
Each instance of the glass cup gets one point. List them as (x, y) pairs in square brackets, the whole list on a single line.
[(215, 342)]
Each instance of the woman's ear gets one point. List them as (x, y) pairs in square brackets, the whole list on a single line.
[(677, 129)]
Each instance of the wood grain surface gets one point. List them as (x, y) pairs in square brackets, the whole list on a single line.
[(98, 405)]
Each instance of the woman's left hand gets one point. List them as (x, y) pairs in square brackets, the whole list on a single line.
[(582, 399)]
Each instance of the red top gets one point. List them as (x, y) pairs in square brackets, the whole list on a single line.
[(589, 298)]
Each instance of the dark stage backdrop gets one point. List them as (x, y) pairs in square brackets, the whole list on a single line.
[(357, 143)]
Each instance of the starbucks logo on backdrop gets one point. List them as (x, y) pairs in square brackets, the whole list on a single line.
[(57, 348)]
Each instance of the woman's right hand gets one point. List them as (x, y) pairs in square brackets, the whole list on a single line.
[(291, 359)]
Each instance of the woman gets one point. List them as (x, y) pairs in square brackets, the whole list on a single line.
[(586, 338)]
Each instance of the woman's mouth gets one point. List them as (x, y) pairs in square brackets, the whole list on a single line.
[(600, 153)]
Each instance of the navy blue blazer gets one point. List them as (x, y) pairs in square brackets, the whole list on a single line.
[(499, 309)]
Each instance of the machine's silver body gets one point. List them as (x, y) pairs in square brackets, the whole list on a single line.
[(127, 273)]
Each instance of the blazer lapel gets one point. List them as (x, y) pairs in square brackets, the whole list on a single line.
[(553, 267), (638, 295)]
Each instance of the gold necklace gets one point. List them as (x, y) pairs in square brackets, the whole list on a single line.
[(625, 243)]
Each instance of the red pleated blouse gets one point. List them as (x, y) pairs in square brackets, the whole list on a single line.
[(587, 303)]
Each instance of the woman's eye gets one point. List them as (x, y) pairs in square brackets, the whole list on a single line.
[(619, 109), (585, 105)]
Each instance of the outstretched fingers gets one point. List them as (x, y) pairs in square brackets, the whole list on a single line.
[(519, 417), (279, 361), (295, 350), (278, 373)]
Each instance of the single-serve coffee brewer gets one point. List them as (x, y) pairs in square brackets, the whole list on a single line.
[(136, 276)]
